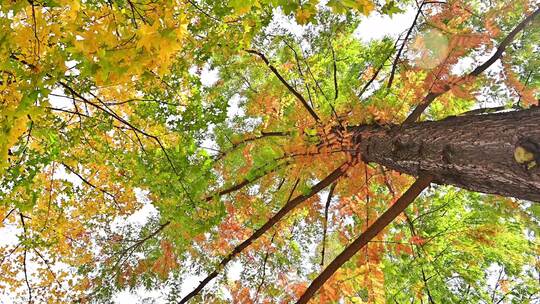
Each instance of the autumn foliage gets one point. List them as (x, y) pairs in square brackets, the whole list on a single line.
[(161, 145)]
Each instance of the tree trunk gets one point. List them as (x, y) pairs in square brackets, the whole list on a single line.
[(470, 152)]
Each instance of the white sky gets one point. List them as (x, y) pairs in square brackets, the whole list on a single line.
[(377, 26)]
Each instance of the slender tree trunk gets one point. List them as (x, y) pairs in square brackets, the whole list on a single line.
[(471, 152)]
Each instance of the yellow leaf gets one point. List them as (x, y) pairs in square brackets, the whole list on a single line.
[(303, 15)]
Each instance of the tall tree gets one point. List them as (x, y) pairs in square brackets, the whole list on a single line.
[(151, 145)]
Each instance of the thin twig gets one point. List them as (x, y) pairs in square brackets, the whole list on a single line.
[(263, 276), (398, 55), (379, 69), (325, 223), (245, 182), (286, 84), (24, 262), (84, 180)]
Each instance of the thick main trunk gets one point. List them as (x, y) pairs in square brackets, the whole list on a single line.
[(471, 152)]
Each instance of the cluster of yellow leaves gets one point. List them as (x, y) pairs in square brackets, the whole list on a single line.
[(111, 36), (13, 120), (60, 240), (365, 6), (103, 41), (303, 14), (411, 87), (362, 6), (58, 227)]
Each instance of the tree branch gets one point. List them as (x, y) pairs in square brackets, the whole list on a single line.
[(336, 90), (386, 218), (263, 275), (289, 206), (430, 97), (243, 183), (398, 55), (136, 130), (336, 94), (298, 66), (325, 223), (250, 139), (48, 265), (379, 69), (286, 84), (412, 229), (24, 261), (84, 180), (138, 243)]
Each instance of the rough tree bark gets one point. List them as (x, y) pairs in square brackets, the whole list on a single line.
[(472, 152)]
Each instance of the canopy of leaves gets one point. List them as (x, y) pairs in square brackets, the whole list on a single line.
[(123, 167)]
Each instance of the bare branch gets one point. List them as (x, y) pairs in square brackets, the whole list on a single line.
[(24, 261), (8, 214), (263, 275), (297, 59), (336, 90), (8, 255), (335, 74), (26, 278), (128, 251)]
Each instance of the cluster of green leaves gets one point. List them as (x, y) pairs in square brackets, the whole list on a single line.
[(464, 235)]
